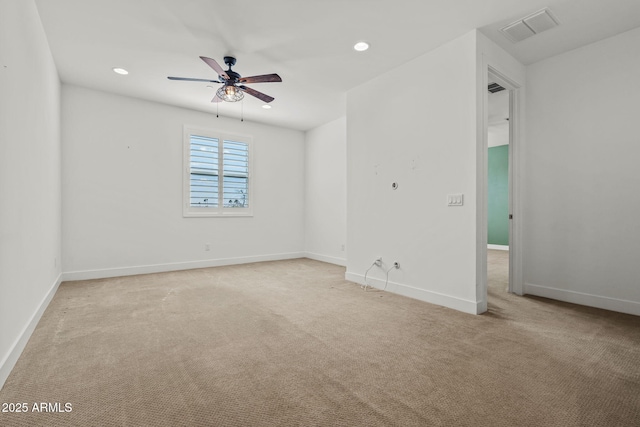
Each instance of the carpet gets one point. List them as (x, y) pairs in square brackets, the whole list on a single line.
[(291, 343)]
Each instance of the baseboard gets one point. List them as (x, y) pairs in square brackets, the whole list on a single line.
[(326, 258), (9, 361), (498, 247), (437, 298), (174, 266), (598, 301)]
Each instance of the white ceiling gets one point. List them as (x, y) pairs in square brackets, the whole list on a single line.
[(308, 43), (581, 22)]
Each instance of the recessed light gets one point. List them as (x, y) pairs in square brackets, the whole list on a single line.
[(210, 87), (361, 46), (120, 71), (266, 106)]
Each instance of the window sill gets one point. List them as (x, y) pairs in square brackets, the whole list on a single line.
[(218, 214)]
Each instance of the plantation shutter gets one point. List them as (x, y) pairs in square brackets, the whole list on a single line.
[(204, 181), (235, 181)]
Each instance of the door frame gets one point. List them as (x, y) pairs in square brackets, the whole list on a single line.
[(515, 232)]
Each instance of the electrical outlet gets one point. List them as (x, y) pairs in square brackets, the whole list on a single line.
[(378, 261), (396, 264)]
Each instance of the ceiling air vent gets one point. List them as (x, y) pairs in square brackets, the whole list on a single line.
[(530, 25), (494, 87)]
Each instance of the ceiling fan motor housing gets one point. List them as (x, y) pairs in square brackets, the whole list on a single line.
[(233, 76)]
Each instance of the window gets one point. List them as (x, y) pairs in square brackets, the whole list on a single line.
[(217, 178)]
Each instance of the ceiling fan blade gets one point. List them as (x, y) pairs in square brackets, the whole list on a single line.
[(266, 78), (189, 79), (259, 95), (217, 68), (216, 98)]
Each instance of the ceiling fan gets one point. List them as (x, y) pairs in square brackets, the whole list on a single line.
[(232, 90)]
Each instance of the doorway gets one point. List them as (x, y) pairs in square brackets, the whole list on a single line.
[(498, 185), (504, 117)]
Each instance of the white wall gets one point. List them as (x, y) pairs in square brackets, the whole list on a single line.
[(122, 190), (423, 137), (29, 177), (582, 232), (498, 132), (326, 192)]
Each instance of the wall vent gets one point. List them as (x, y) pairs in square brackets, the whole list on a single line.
[(530, 25), (494, 87)]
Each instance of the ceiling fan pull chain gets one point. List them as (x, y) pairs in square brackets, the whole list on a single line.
[(242, 110), (217, 109)]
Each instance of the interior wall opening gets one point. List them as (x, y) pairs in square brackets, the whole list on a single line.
[(498, 190)]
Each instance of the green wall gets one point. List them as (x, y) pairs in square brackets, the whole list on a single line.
[(498, 195)]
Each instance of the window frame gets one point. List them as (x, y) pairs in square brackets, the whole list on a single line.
[(189, 211)]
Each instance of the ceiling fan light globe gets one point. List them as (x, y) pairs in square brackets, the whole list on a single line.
[(230, 93)]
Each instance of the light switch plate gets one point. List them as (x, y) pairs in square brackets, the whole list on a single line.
[(455, 199)]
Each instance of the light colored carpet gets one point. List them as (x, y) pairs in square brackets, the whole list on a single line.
[(291, 343), (497, 273)]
